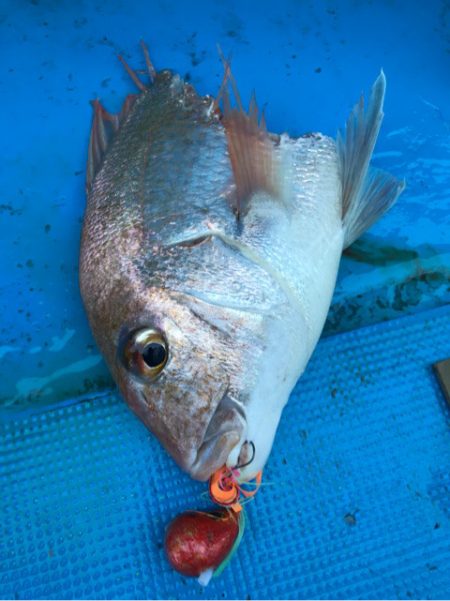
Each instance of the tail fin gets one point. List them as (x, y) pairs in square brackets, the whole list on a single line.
[(367, 193)]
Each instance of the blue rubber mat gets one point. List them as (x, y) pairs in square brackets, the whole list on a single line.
[(356, 502)]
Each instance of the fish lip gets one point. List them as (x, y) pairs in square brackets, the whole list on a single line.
[(225, 430)]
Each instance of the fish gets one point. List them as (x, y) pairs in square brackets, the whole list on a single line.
[(209, 253)]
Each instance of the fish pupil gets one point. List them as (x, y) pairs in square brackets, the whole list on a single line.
[(154, 354)]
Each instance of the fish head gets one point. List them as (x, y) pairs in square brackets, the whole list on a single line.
[(210, 381), (173, 369)]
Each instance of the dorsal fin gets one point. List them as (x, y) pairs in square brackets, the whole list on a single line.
[(105, 124), (151, 71), (249, 145)]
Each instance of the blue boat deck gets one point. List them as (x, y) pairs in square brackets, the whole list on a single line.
[(355, 502), (356, 495)]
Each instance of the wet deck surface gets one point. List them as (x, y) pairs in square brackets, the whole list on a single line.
[(358, 501)]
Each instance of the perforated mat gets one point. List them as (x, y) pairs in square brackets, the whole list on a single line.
[(356, 502)]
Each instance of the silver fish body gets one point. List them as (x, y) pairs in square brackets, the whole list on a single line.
[(235, 303)]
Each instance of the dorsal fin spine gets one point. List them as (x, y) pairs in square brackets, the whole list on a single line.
[(142, 87), (100, 137)]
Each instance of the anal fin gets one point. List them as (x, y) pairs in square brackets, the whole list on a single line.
[(366, 193)]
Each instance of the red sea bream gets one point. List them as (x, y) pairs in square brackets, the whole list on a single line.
[(209, 256)]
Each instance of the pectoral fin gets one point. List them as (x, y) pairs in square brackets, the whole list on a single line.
[(250, 146)]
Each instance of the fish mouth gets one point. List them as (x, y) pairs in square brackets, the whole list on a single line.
[(225, 431)]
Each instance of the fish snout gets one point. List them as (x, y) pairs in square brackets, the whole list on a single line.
[(224, 433)]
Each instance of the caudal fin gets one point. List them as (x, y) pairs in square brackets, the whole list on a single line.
[(367, 193)]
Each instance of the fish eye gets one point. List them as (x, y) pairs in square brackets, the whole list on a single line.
[(146, 352)]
